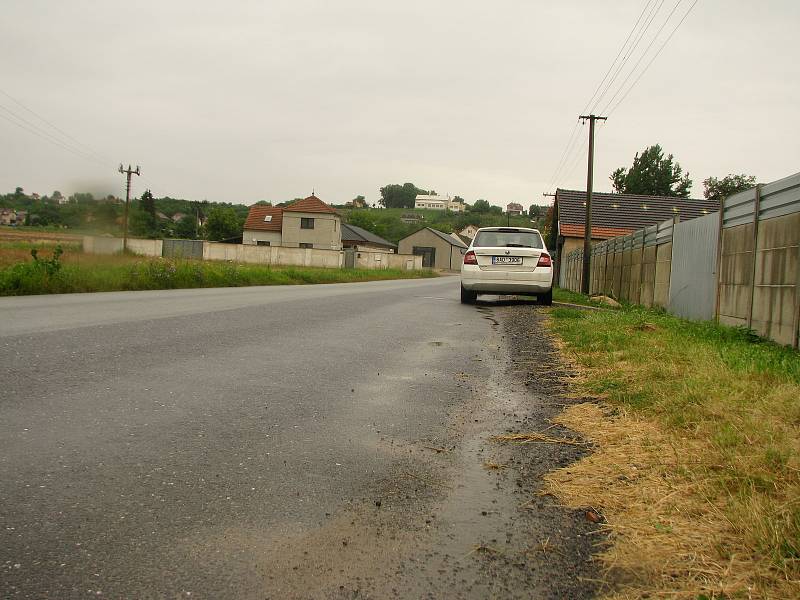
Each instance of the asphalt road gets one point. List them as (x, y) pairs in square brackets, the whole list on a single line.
[(231, 443)]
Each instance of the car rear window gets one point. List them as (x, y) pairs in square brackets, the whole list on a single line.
[(508, 238)]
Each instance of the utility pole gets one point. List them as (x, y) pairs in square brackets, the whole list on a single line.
[(127, 172), (587, 229)]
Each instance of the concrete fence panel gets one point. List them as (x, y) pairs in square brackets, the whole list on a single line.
[(736, 274), (145, 247), (647, 294), (777, 283), (663, 268)]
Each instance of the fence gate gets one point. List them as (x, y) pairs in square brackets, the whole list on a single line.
[(693, 282), (182, 249)]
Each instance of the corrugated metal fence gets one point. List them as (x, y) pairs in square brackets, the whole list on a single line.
[(693, 278), (741, 266)]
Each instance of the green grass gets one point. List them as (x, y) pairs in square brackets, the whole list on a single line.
[(570, 297), (723, 389), (117, 273)]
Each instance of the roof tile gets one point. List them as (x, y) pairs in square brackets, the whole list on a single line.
[(312, 204), (629, 212), (255, 218)]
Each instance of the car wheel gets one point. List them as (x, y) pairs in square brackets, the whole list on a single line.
[(468, 296), (545, 299)]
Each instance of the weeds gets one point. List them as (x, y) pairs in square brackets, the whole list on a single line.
[(85, 273)]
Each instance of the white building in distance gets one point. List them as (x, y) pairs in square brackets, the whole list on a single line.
[(432, 202)]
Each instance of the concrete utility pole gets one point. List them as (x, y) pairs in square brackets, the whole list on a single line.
[(128, 172), (587, 229)]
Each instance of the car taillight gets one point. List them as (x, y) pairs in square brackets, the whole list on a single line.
[(470, 258), (544, 261)]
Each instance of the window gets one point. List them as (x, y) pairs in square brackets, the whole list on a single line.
[(306, 223), (262, 243), (306, 245), (508, 238)]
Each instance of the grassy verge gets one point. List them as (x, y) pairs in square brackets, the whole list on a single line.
[(697, 467), (75, 272)]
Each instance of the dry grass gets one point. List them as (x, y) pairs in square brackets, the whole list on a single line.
[(535, 436), (697, 455)]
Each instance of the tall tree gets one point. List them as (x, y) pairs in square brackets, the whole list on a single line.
[(143, 218), (719, 189), (223, 224), (652, 174), (395, 195), (148, 204)]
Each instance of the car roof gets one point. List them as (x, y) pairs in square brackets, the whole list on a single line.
[(526, 229)]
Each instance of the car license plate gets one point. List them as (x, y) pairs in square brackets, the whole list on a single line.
[(506, 260)]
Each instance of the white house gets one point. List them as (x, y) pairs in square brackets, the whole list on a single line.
[(433, 202)]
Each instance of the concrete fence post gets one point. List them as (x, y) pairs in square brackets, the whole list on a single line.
[(796, 340), (756, 211), (720, 238)]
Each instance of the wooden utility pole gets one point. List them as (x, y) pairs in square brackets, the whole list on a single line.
[(587, 229), (127, 172)]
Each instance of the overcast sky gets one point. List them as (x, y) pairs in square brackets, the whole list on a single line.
[(266, 100)]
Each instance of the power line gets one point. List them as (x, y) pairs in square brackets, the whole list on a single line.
[(625, 43), (642, 26), (77, 148), (41, 118), (33, 129), (638, 62), (647, 66), (562, 160), (656, 8)]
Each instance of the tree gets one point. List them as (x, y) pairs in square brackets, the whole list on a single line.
[(223, 224), (363, 219), (143, 219), (652, 175), (148, 205), (535, 211), (481, 206), (719, 189), (395, 195), (106, 214), (82, 198), (186, 228)]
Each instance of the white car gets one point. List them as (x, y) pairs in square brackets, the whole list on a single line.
[(507, 260)]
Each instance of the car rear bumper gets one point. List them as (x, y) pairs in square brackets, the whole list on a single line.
[(512, 282)]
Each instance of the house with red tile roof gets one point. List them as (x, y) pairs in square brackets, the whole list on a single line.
[(616, 214), (306, 223)]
